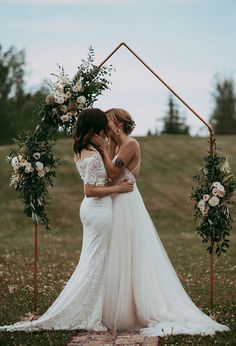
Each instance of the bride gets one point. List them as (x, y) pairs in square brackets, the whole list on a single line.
[(79, 305), (142, 290)]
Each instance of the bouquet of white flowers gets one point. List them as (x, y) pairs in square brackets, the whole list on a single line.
[(212, 194), (34, 166)]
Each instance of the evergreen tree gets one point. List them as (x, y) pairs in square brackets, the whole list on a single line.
[(173, 123), (223, 118)]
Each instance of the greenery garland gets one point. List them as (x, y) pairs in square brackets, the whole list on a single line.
[(212, 193), (34, 166)]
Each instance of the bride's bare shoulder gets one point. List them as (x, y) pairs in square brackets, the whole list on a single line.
[(133, 142)]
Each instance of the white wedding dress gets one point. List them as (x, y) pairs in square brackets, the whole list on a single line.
[(124, 279), (79, 305), (142, 290)]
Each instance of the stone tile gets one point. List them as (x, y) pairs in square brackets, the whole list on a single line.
[(112, 339)]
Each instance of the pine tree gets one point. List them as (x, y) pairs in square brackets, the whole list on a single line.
[(173, 123), (223, 118)]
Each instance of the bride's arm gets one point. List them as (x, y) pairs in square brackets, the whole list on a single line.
[(126, 153), (102, 191)]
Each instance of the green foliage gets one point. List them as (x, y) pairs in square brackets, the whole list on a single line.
[(16, 105), (173, 123), (212, 194), (223, 117), (35, 166)]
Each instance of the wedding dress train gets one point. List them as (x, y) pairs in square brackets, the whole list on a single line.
[(142, 290), (79, 305)]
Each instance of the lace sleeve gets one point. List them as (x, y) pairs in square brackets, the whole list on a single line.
[(91, 172)]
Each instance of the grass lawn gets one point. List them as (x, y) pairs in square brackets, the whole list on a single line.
[(168, 164)]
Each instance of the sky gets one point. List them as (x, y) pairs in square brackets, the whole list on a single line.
[(188, 43)]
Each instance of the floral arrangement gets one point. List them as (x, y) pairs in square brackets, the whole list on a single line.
[(34, 166), (212, 194)]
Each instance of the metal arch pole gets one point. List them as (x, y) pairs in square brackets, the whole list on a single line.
[(210, 129)]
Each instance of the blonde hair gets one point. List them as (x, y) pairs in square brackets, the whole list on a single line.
[(121, 116)]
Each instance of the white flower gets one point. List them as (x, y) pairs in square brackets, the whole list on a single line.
[(23, 162), (214, 191), (214, 201), (15, 163), (205, 197), (39, 165), (216, 184), (11, 288), (221, 193), (65, 118), (41, 173), (78, 86), (68, 94), (36, 156), (47, 169), (201, 204), (81, 99), (59, 99), (29, 168)]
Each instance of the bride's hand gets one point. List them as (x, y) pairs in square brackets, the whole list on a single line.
[(99, 143), (125, 186)]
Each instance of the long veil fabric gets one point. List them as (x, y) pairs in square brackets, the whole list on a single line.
[(142, 289)]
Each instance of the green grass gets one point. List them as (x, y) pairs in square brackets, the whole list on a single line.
[(168, 164)]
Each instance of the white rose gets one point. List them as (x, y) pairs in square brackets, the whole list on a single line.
[(59, 99), (216, 184), (65, 118), (213, 201), (214, 191), (81, 99), (23, 162), (201, 204), (29, 168), (41, 173), (221, 188), (205, 198), (36, 156), (78, 86), (47, 169), (39, 165), (221, 192)]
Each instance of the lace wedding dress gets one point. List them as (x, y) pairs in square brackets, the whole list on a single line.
[(79, 305), (142, 290)]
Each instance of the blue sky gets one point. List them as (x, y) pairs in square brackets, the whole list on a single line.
[(187, 42)]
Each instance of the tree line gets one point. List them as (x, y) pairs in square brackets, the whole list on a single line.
[(223, 117), (17, 106)]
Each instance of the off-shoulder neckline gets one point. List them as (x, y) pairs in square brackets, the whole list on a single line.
[(86, 158)]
